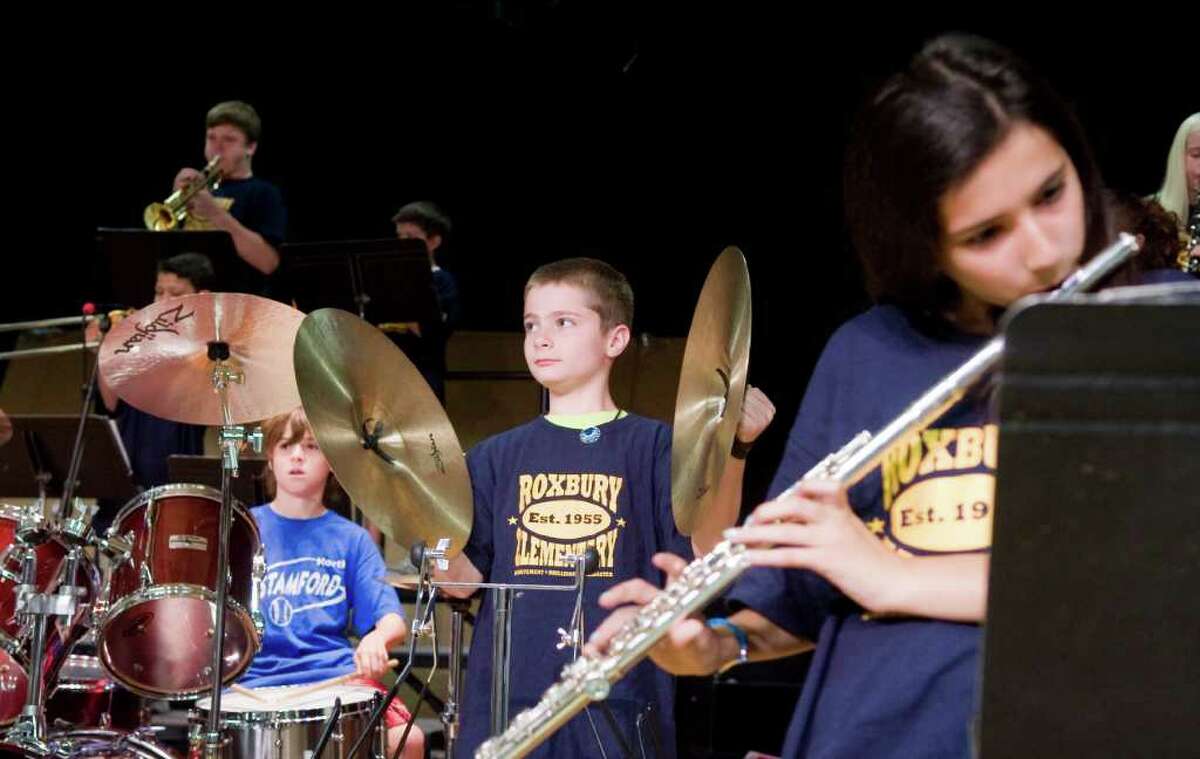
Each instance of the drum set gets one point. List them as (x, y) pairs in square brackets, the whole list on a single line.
[(91, 624), (104, 638), (168, 595)]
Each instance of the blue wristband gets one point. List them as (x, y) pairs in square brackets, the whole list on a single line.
[(739, 634)]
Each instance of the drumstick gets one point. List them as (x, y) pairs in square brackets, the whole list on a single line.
[(331, 682), (247, 692)]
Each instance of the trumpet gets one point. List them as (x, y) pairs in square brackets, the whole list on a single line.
[(171, 213)]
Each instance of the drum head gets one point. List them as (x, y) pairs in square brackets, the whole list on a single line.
[(278, 699), (150, 649)]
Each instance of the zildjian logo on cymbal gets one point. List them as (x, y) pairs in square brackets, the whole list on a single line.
[(164, 322), (436, 454)]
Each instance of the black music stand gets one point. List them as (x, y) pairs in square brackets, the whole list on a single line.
[(1092, 641), (248, 486), (128, 259), (383, 281), (39, 454)]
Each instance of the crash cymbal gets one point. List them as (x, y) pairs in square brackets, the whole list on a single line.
[(383, 430), (712, 386), (157, 359)]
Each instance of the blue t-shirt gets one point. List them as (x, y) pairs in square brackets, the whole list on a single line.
[(542, 491), (322, 575), (901, 687)]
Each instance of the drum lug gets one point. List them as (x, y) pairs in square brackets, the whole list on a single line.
[(118, 547), (259, 573), (99, 609), (205, 744), (15, 647), (100, 605), (148, 520), (11, 552)]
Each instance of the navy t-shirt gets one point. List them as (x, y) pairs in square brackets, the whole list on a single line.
[(900, 687), (258, 206), (150, 440), (428, 352), (890, 687), (542, 491), (323, 576)]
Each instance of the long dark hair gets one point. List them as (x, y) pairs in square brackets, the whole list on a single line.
[(924, 131)]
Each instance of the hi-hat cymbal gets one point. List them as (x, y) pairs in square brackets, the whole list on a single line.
[(712, 386), (383, 430), (401, 580), (157, 359)]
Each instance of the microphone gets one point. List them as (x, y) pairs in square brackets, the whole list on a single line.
[(591, 561)]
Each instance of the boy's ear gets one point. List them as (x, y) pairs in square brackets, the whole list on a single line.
[(618, 339)]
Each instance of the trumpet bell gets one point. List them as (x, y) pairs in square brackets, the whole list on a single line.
[(158, 217)]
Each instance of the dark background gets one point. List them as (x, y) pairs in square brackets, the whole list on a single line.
[(646, 134), (650, 135)]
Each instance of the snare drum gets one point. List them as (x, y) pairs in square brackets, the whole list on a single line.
[(156, 636), (283, 728)]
